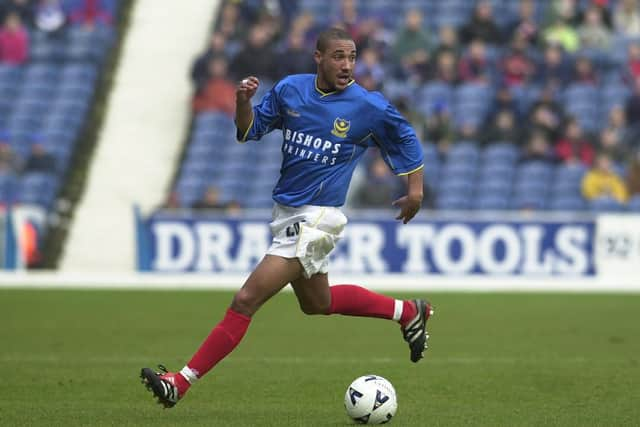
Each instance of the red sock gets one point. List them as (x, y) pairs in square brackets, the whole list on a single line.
[(352, 300), (220, 342)]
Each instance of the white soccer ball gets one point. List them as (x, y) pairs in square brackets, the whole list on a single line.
[(371, 399)]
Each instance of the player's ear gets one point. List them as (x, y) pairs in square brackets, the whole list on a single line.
[(317, 56)]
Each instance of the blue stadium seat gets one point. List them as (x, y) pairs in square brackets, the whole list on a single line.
[(491, 202), (568, 203), (79, 72), (434, 95), (605, 204), (453, 202), (41, 73), (567, 180), (8, 182), (464, 152), (458, 185), (495, 185), (500, 153), (634, 204)]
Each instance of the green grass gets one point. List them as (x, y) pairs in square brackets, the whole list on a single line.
[(73, 358)]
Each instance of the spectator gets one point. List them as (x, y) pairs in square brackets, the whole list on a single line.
[(517, 67), (349, 19), (502, 129), (525, 26), (172, 202), (23, 8), (446, 68), (593, 32), (633, 175), (474, 65), (40, 160), (50, 17), (604, 9), (412, 46), (91, 13), (467, 130), (219, 94), (256, 57), (304, 24), (413, 117), (200, 70), (14, 41), (295, 59), (439, 128), (610, 144), (573, 147), (585, 72), (546, 115), (447, 41), (618, 123), (626, 18), (562, 33), (8, 160), (379, 187), (232, 26), (537, 149), (553, 70), (632, 71), (482, 25), (602, 182), (212, 201), (632, 106), (504, 100), (565, 10), (369, 67)]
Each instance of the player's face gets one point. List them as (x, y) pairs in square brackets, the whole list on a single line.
[(336, 64)]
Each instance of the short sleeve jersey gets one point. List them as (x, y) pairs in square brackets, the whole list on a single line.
[(324, 136)]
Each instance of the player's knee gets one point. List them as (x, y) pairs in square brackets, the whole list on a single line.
[(244, 303), (315, 307)]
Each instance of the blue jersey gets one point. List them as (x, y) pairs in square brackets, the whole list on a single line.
[(324, 136)]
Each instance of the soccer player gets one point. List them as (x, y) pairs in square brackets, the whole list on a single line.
[(327, 122)]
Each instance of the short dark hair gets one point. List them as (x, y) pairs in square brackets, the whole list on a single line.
[(329, 34)]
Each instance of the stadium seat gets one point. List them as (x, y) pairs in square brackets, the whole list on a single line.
[(634, 204), (491, 202), (433, 96), (453, 202), (568, 203), (605, 204), (466, 152), (500, 153)]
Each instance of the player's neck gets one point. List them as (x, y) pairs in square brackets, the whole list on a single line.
[(323, 86)]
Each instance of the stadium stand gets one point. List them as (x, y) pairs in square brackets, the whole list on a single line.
[(565, 72), (47, 91)]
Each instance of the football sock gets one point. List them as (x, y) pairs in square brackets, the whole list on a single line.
[(352, 300), (220, 342)]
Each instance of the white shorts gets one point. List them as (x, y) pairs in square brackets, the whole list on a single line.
[(308, 233)]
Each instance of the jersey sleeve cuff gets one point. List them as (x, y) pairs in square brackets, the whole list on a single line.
[(243, 139), (411, 171)]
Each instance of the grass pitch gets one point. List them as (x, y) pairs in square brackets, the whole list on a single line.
[(73, 358)]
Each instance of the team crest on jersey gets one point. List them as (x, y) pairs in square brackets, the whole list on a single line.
[(341, 127)]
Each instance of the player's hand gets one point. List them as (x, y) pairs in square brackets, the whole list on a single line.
[(409, 207), (247, 88)]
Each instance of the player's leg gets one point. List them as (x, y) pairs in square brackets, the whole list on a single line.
[(269, 277), (315, 296)]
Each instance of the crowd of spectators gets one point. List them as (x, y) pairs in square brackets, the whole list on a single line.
[(545, 47), (20, 22)]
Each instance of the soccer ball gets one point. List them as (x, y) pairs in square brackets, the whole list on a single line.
[(371, 399)]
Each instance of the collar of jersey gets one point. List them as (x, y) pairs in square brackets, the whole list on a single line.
[(323, 93)]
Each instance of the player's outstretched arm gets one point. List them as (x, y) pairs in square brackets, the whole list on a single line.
[(244, 111), (410, 204)]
